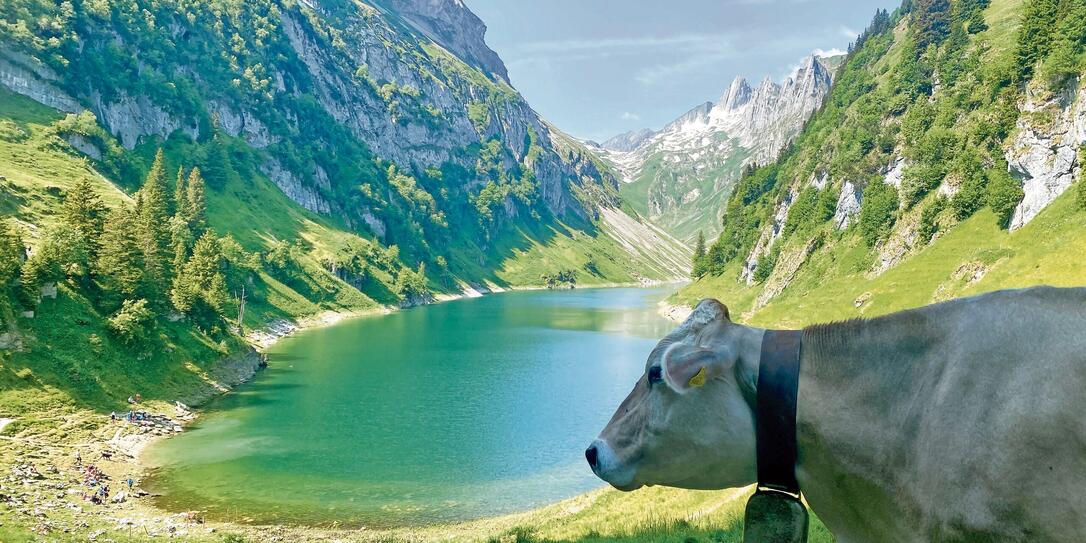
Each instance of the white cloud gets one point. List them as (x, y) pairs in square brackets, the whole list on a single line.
[(828, 52), (627, 116)]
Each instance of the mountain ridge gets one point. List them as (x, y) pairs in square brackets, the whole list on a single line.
[(681, 172)]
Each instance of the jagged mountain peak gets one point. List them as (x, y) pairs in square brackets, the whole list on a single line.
[(737, 95), (696, 158), (451, 24)]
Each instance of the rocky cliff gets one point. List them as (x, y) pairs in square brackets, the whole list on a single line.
[(684, 171), (452, 25)]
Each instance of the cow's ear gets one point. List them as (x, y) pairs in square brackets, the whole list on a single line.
[(686, 367)]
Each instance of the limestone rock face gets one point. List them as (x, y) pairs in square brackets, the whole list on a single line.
[(848, 205), (1045, 155), (303, 194), (26, 76), (131, 118), (707, 148), (895, 172), (452, 25)]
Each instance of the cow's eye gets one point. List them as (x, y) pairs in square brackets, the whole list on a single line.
[(656, 375)]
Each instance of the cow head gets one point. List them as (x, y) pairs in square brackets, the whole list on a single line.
[(689, 421)]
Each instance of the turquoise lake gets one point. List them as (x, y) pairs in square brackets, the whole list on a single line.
[(459, 410)]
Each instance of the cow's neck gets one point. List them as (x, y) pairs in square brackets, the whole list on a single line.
[(853, 419)]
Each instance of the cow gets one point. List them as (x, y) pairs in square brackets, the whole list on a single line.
[(960, 421)]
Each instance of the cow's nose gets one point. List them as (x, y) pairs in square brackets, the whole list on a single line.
[(592, 454)]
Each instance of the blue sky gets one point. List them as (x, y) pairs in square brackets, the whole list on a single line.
[(596, 68)]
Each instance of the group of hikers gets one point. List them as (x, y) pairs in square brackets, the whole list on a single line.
[(130, 416), (95, 481)]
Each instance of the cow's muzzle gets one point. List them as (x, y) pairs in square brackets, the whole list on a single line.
[(606, 465)]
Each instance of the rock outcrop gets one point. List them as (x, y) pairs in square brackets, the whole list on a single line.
[(1044, 154), (848, 205), (452, 25)]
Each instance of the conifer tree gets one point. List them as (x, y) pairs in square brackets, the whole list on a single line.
[(152, 227), (179, 191), (932, 22), (120, 261), (84, 211), (217, 167), (1035, 34), (699, 256), (195, 205), (12, 254), (181, 241), (200, 287)]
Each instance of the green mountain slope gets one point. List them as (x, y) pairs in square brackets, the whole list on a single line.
[(359, 113), (946, 160)]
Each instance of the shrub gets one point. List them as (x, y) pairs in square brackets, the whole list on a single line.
[(970, 196), (928, 219), (562, 278), (918, 181), (132, 322), (1004, 194), (767, 263), (880, 203)]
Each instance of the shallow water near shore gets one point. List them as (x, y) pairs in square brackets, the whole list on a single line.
[(460, 410)]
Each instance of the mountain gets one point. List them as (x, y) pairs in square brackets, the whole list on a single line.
[(680, 175), (389, 120), (181, 180), (947, 160), (630, 141)]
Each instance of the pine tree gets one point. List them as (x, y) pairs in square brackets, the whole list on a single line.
[(195, 206), (181, 241), (12, 254), (84, 211), (120, 261), (217, 167), (152, 228), (932, 22), (179, 192), (200, 287), (699, 256), (1035, 34)]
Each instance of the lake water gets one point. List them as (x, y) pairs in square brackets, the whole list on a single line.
[(459, 410)]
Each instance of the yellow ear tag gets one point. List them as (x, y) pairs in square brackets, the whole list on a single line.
[(698, 380)]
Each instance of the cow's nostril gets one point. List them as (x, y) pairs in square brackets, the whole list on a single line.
[(591, 454)]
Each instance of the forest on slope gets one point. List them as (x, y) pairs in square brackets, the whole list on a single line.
[(946, 160)]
